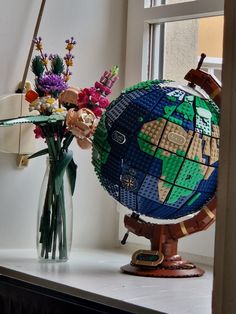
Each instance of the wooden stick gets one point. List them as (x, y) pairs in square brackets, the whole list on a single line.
[(22, 83)]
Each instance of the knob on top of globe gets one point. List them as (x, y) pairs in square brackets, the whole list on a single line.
[(156, 149)]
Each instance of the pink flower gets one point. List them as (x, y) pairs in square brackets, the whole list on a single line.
[(38, 132), (83, 98), (103, 102), (104, 76), (86, 91), (98, 85), (104, 89), (98, 112), (95, 97), (92, 90)]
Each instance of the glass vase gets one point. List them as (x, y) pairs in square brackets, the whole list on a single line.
[(55, 216)]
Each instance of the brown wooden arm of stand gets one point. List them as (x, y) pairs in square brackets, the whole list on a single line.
[(157, 234), (205, 81), (138, 226), (153, 232), (201, 221)]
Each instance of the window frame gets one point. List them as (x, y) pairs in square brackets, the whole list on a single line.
[(139, 20), (224, 283)]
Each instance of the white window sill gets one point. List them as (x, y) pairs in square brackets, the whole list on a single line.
[(95, 274)]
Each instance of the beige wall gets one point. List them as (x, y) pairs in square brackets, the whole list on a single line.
[(180, 49), (210, 38), (186, 40)]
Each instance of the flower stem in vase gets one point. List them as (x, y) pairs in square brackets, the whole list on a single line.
[(45, 222), (54, 231), (63, 251)]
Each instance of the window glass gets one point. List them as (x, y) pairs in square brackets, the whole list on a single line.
[(177, 47)]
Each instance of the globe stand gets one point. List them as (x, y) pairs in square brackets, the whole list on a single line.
[(176, 270), (163, 248), (162, 260)]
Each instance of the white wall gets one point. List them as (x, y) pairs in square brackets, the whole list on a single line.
[(99, 27)]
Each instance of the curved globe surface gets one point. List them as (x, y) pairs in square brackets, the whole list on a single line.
[(156, 150)]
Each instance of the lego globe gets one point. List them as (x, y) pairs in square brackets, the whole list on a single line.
[(156, 149)]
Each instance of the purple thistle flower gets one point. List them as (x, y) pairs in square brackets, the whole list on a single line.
[(51, 84)]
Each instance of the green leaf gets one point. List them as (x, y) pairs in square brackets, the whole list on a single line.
[(39, 153), (60, 169), (51, 146), (53, 118), (13, 121), (37, 66), (57, 65), (71, 171), (68, 139)]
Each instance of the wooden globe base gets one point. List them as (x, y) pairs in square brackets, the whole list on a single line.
[(172, 268), (162, 260)]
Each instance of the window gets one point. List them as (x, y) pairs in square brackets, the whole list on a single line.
[(159, 34), (149, 26), (176, 47)]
